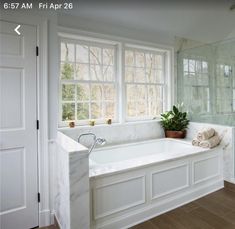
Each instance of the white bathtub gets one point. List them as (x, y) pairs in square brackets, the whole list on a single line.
[(127, 156), (131, 183)]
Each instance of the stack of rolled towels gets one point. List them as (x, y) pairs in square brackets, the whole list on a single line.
[(207, 138)]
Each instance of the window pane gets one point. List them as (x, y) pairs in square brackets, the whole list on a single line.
[(68, 92), (82, 53), (159, 76), (95, 55), (96, 73), (129, 58), (149, 60), (109, 92), (108, 56), (96, 92), (198, 66), (139, 75), (67, 71), (192, 66), (68, 111), (159, 61), (140, 59), (150, 75), (83, 92), (109, 110), (108, 73), (129, 74), (96, 110), (141, 108), (82, 111), (136, 92), (204, 67), (131, 92), (82, 72), (186, 65), (131, 109), (67, 52), (140, 92)]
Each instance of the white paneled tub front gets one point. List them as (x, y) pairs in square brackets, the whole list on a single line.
[(134, 182)]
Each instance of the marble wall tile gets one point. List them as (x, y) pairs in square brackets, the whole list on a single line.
[(79, 191), (228, 142), (71, 184), (118, 133), (62, 189)]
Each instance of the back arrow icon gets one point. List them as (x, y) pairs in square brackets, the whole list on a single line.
[(16, 29)]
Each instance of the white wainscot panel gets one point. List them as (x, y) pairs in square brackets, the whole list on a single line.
[(12, 178), (11, 116), (205, 169), (169, 180), (13, 45), (118, 196)]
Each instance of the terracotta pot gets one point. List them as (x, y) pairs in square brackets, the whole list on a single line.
[(175, 134)]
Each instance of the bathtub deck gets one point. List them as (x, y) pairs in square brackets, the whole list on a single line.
[(214, 211)]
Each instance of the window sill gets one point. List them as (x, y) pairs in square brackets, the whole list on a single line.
[(127, 123)]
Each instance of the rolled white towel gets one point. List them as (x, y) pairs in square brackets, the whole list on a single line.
[(195, 142), (205, 134), (210, 143)]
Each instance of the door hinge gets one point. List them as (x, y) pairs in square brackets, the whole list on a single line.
[(39, 197), (37, 124), (37, 51)]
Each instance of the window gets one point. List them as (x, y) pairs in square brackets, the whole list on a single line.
[(196, 85), (225, 89), (88, 81), (92, 86), (144, 82)]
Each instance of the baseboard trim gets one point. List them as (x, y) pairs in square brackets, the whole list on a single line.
[(44, 218)]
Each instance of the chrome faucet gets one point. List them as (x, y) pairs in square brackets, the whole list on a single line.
[(99, 141)]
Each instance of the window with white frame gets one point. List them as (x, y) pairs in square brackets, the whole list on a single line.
[(225, 88), (196, 84), (93, 88), (87, 81), (144, 83)]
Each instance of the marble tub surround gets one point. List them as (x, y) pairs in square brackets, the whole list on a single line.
[(227, 135), (118, 133), (72, 183), (153, 152)]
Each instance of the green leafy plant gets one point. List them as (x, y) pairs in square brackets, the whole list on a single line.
[(175, 119)]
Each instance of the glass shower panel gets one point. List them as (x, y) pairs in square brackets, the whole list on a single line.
[(206, 82)]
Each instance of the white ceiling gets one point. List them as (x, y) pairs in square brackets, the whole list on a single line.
[(207, 21)]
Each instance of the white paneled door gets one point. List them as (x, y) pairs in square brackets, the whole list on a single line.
[(18, 132)]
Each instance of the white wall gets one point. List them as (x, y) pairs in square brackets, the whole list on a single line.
[(76, 22)]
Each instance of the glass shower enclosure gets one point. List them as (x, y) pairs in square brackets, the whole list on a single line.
[(206, 82)]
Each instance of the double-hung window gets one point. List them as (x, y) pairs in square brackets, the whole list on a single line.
[(102, 80), (145, 83), (88, 82)]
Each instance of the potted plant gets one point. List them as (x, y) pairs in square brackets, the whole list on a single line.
[(175, 122)]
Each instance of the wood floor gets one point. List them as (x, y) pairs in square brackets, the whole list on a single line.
[(214, 211)]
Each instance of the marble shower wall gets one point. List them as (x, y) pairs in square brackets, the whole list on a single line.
[(71, 190), (227, 134)]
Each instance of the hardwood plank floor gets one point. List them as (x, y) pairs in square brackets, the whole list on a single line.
[(214, 211)]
